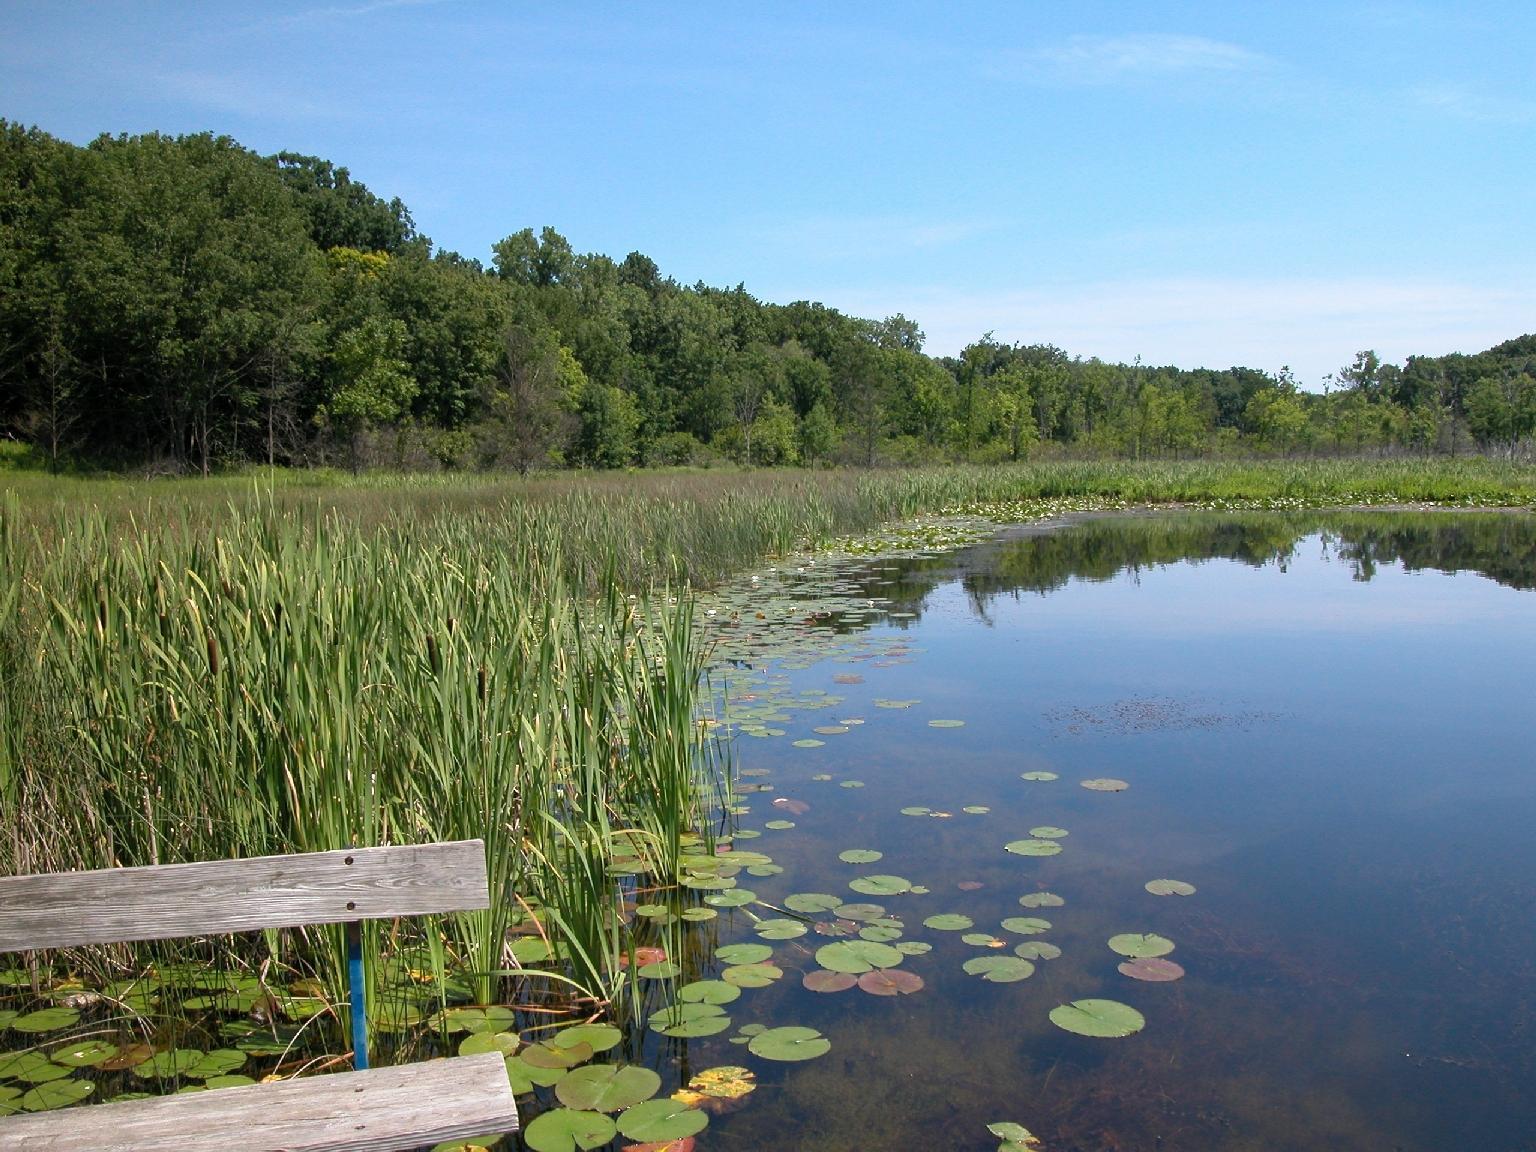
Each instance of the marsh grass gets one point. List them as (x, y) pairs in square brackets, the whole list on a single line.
[(205, 669)]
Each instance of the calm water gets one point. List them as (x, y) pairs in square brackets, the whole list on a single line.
[(1325, 727)]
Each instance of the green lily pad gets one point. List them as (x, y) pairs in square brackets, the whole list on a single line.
[(1014, 1137), (880, 885), (1139, 944), (735, 898), (1105, 784), (913, 947), (851, 784), (1041, 900), (780, 929), (1027, 925), (31, 1068), (55, 1094), (789, 1044), (880, 933), (980, 939), (661, 1121), (689, 1020), (531, 950), (857, 956), (859, 856), (779, 825), (976, 809), (708, 992), (946, 723), (862, 912), (1049, 832), (525, 1077), (1039, 776), (659, 970), (809, 743), (477, 1042), (811, 902), (598, 1037), (494, 1018), (1032, 847), (46, 1020), (751, 975), (606, 1088), (1037, 950), (84, 1054), (1170, 888), (1104, 1018), (822, 776), (565, 1130), (1000, 969), (694, 915), (949, 922), (744, 953), (219, 1062), (557, 1057), (916, 810)]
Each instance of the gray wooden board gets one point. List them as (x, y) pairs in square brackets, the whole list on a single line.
[(409, 1106), (68, 909)]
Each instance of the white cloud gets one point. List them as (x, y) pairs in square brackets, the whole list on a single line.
[(1109, 59), (1314, 325)]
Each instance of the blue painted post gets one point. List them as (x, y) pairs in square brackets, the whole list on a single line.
[(357, 994)]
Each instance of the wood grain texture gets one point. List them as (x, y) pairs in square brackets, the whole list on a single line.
[(409, 1106), (67, 909)]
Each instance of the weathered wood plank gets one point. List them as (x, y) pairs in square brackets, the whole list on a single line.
[(409, 1106), (67, 909)]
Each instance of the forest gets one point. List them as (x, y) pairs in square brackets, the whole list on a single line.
[(184, 304)]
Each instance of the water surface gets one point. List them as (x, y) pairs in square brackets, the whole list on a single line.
[(1324, 725)]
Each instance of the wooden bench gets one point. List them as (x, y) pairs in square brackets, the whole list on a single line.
[(408, 1106)]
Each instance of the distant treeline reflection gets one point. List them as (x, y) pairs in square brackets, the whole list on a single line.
[(1500, 546)]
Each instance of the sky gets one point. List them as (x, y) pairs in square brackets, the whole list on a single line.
[(1198, 184)]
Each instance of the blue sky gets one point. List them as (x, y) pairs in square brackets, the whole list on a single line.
[(1194, 183)]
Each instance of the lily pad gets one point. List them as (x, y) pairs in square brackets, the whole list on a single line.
[(725, 1082), (1014, 1137), (84, 1054), (857, 956), (890, 982), (913, 947), (55, 1094), (880, 885), (657, 1121), (606, 1087), (851, 784), (659, 970), (744, 953), (751, 975), (1037, 950), (863, 912), (809, 742), (1032, 847), (859, 856), (916, 810), (1041, 900), (1152, 968), (560, 1057), (789, 1044), (811, 902), (780, 929), (477, 1042), (1101, 1018), (949, 922), (735, 898), (779, 825), (1105, 784), (1049, 832), (1141, 944), (1039, 776), (1170, 888), (1027, 925), (46, 1020), (880, 933), (976, 809), (1000, 969), (946, 723), (565, 1130), (708, 992), (826, 980)]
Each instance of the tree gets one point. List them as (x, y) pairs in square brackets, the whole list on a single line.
[(528, 409), (375, 384)]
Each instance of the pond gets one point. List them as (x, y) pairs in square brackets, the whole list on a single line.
[(1302, 879)]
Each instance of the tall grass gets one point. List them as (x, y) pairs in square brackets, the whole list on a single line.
[(205, 669)]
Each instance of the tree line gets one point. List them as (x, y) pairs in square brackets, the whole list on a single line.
[(184, 304)]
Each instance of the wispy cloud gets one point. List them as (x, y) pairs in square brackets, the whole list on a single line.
[(259, 98), (1313, 325), (1466, 104), (1138, 56)]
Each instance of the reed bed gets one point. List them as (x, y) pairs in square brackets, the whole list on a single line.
[(275, 663)]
